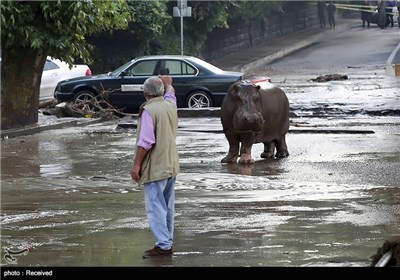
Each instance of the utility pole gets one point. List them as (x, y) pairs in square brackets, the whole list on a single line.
[(182, 10)]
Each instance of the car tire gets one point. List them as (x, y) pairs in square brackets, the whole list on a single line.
[(86, 97), (199, 99)]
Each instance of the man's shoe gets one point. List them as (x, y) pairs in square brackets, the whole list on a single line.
[(157, 252)]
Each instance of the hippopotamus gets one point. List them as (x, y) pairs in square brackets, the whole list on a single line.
[(254, 113)]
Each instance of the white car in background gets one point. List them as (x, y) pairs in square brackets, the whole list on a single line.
[(55, 70)]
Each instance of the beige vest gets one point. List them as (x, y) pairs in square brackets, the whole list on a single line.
[(161, 161)]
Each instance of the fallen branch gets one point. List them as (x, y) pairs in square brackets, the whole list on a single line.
[(96, 107)]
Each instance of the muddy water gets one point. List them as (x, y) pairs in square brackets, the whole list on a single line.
[(68, 197), (221, 220)]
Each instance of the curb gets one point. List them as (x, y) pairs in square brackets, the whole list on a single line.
[(203, 112), (393, 64), (29, 130)]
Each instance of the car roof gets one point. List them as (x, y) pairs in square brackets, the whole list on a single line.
[(192, 59), (165, 56)]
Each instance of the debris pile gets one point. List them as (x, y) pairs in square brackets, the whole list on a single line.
[(91, 108), (330, 77)]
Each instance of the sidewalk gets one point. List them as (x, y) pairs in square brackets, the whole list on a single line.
[(268, 51), (46, 123)]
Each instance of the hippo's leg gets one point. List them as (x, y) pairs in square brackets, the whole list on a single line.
[(245, 149), (281, 147), (269, 150), (233, 153)]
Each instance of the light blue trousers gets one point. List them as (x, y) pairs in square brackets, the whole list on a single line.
[(159, 199)]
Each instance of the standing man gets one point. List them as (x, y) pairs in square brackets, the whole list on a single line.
[(389, 13), (331, 8), (321, 6), (366, 14), (156, 162)]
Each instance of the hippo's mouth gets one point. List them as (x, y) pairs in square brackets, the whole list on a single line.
[(246, 122), (246, 131), (253, 128)]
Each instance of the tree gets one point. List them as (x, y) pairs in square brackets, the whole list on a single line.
[(112, 48), (33, 30)]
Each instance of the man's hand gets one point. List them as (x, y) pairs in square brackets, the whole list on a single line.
[(167, 80), (135, 172)]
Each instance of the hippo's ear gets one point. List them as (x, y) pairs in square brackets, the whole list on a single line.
[(258, 87), (233, 88)]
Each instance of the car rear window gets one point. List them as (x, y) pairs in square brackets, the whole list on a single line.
[(49, 65), (143, 68), (176, 67)]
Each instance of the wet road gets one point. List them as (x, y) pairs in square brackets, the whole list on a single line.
[(68, 197)]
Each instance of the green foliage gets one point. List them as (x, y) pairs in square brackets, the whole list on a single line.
[(208, 15), (149, 21), (148, 17), (251, 10), (58, 27)]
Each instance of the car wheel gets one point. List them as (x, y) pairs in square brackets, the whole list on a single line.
[(86, 100), (199, 99)]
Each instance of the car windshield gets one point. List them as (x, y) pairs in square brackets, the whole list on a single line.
[(120, 69), (207, 65)]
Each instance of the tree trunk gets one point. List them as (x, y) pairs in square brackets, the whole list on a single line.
[(21, 73)]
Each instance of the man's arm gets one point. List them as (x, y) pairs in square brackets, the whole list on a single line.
[(169, 94), (140, 154), (145, 142)]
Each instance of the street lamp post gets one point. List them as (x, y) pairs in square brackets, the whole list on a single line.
[(182, 10), (181, 29)]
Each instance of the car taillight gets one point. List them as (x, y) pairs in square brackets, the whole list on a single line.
[(260, 80), (88, 72)]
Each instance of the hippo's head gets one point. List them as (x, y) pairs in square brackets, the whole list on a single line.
[(247, 102)]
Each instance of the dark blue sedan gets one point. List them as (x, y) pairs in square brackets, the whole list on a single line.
[(197, 83)]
